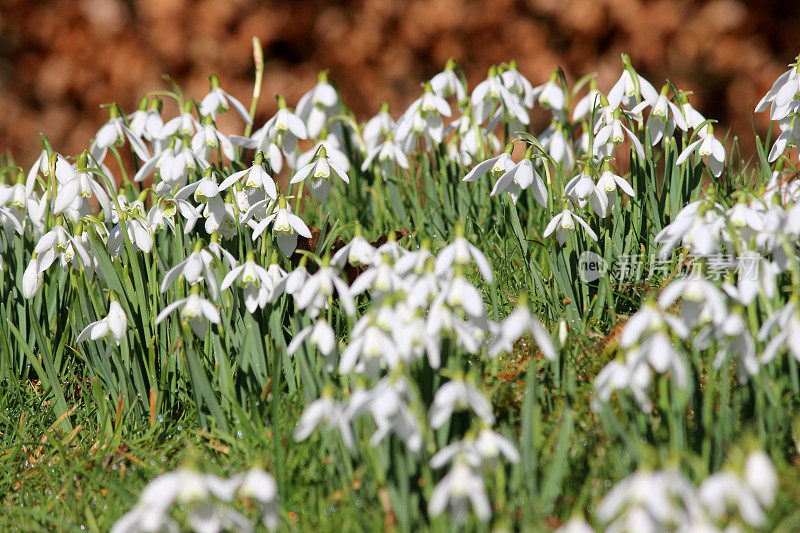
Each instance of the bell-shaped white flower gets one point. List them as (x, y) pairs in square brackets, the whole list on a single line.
[(462, 485), (458, 394), (194, 269), (286, 226), (518, 178), (115, 323), (461, 252), (321, 171), (219, 101), (708, 148), (324, 410), (521, 322), (196, 310), (318, 105), (564, 223)]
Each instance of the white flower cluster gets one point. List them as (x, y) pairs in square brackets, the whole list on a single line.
[(602, 119), (205, 499), (665, 500), (749, 245), (418, 302)]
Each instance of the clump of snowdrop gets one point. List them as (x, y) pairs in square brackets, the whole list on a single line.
[(206, 500)]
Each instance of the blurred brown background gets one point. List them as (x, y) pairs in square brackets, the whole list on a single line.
[(61, 59)]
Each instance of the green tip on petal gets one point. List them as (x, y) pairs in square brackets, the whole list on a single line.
[(426, 244), (326, 259), (142, 195), (509, 147), (460, 230), (198, 245), (322, 77), (143, 103), (281, 101), (428, 88), (664, 89), (385, 107), (156, 105), (450, 65), (512, 65), (214, 81), (258, 160), (303, 260), (273, 260), (187, 106), (281, 202), (492, 71), (357, 231), (83, 159)]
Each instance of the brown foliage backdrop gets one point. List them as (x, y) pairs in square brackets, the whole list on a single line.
[(61, 59)]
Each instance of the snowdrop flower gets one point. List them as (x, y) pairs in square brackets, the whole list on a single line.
[(698, 225), (318, 105), (378, 128), (564, 223), (629, 87), (646, 338), (321, 170), (461, 485), (371, 348), (42, 163), (76, 184), (610, 182), (618, 375), (726, 489), (664, 117), (324, 410), (253, 279), (447, 83), (551, 96), (254, 177), (286, 226), (194, 269), (556, 141), (457, 394), (32, 278), (517, 324), (483, 449), (782, 94), (588, 104), (518, 84), (357, 252), (615, 132), (497, 166), (196, 310), (389, 156), (208, 139), (583, 189), (279, 134), (734, 339), (519, 177), (134, 221), (296, 279), (491, 93), (391, 403), (174, 165), (787, 320), (219, 101), (423, 117), (649, 501), (319, 288), (461, 252), (708, 148), (59, 244), (113, 133), (702, 301), (320, 334), (115, 323), (146, 121)]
